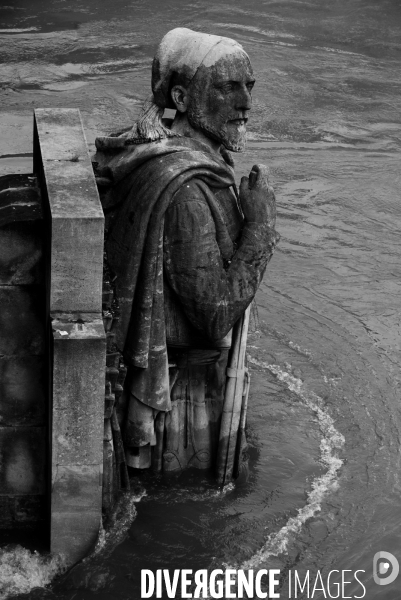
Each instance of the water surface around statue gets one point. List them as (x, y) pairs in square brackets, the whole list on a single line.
[(324, 411)]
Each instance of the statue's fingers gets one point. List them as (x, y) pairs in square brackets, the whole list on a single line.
[(253, 177), (244, 185), (259, 175), (271, 195)]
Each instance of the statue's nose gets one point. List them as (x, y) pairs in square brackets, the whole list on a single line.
[(244, 99)]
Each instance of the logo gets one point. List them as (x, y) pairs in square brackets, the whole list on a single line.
[(386, 564)]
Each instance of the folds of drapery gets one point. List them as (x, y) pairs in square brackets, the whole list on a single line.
[(145, 179)]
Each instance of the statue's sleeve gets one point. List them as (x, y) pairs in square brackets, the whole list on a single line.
[(213, 293)]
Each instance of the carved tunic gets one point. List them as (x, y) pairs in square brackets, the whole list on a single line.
[(206, 293)]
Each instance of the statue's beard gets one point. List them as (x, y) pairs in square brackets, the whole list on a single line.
[(230, 134)]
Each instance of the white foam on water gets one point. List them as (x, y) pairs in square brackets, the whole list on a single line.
[(338, 51), (19, 30), (211, 494), (22, 570), (184, 494), (253, 29), (299, 349), (121, 519), (332, 440)]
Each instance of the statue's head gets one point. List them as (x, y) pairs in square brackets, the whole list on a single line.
[(208, 79)]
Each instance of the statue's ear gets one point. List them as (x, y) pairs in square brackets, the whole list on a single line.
[(180, 98)]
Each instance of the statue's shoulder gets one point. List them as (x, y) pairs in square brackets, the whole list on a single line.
[(188, 193)]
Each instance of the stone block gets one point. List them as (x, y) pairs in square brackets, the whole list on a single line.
[(30, 509), (20, 198), (22, 390), (62, 162), (75, 265), (22, 231), (7, 509), (22, 458), (78, 390), (75, 510), (22, 512), (21, 253), (22, 318), (13, 181)]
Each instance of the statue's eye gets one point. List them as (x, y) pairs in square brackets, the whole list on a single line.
[(227, 87), (250, 85)]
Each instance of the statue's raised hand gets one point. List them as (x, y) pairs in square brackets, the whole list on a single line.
[(257, 197)]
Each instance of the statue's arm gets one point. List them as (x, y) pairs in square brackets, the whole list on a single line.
[(213, 294)]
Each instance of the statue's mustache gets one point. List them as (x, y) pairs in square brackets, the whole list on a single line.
[(237, 119)]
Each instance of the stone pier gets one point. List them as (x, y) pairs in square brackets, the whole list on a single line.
[(76, 333)]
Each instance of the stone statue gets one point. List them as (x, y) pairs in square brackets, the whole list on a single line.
[(186, 250)]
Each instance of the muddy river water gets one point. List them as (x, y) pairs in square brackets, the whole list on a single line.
[(323, 491)]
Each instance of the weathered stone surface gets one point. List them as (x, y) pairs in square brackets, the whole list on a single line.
[(22, 456), (22, 319), (21, 231), (78, 391), (76, 510), (7, 510), (74, 265), (21, 202), (30, 509), (63, 166), (22, 390), (74, 534), (13, 181), (21, 253), (77, 219), (22, 512), (61, 134), (76, 488)]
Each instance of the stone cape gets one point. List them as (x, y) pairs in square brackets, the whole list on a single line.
[(144, 179)]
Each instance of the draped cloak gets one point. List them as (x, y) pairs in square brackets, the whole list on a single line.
[(144, 179)]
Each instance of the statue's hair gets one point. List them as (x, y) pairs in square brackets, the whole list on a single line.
[(149, 126)]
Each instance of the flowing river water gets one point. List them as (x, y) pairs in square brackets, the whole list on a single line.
[(323, 490)]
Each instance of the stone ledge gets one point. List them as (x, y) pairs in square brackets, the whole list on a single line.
[(76, 326), (77, 220)]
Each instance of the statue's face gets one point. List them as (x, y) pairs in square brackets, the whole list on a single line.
[(220, 99)]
